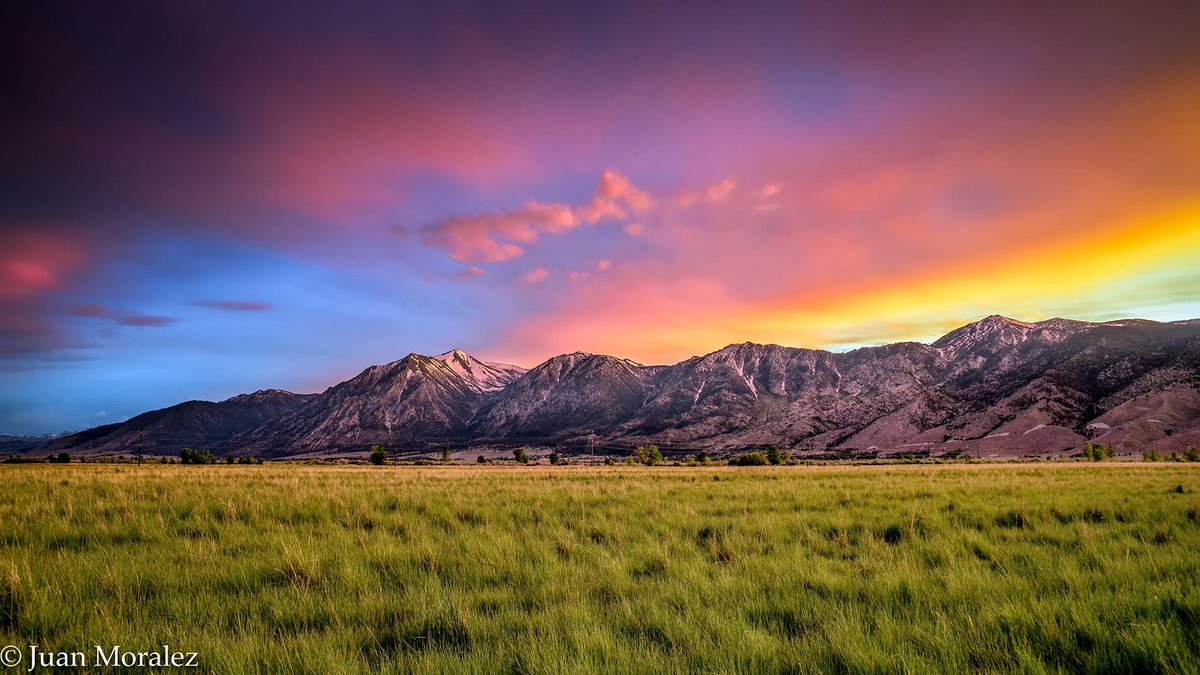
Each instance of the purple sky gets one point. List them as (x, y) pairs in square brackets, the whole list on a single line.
[(202, 199)]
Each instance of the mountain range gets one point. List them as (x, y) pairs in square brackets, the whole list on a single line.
[(993, 388)]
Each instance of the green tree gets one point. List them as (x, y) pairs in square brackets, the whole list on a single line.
[(521, 456), (445, 454), (555, 459), (776, 456), (648, 455), (1191, 454), (60, 458), (378, 455), (190, 456), (481, 460), (1152, 456), (1097, 452)]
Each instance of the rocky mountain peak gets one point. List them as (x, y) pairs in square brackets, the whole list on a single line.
[(482, 376), (993, 331), (262, 396), (586, 360)]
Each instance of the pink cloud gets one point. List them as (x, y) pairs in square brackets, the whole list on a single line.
[(535, 276), (32, 263), (480, 238), (769, 190), (713, 194), (503, 235), (598, 209), (635, 229), (602, 265), (469, 273), (617, 188)]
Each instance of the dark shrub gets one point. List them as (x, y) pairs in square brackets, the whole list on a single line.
[(378, 455), (521, 456), (750, 459), (893, 534), (60, 458), (554, 458)]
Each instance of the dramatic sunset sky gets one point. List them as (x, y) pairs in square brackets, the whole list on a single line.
[(200, 199)]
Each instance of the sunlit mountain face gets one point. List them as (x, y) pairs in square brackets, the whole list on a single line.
[(203, 200)]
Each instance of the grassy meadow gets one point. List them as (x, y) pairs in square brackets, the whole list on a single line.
[(302, 569)]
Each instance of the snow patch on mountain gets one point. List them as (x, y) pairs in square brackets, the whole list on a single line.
[(483, 376)]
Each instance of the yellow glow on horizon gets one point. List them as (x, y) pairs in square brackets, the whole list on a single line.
[(1021, 284)]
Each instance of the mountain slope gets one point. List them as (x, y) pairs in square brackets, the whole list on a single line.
[(994, 388), (414, 400), (202, 425), (570, 395)]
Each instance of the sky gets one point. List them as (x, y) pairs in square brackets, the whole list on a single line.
[(200, 199)]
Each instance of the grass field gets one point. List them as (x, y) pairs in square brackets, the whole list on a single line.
[(355, 569)]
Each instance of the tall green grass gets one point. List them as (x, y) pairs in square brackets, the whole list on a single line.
[(271, 569)]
